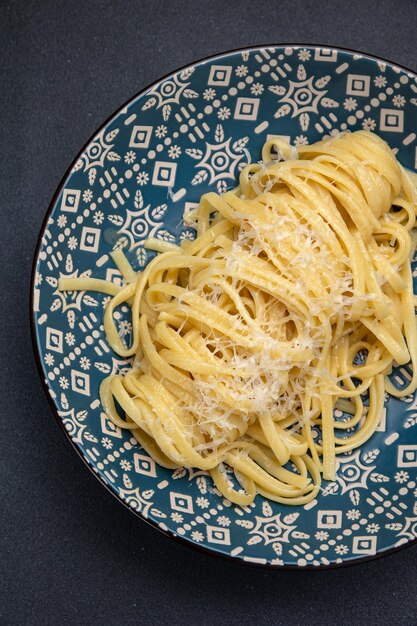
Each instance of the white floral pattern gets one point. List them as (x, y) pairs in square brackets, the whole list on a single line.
[(303, 96), (220, 160), (97, 153), (188, 134), (169, 93)]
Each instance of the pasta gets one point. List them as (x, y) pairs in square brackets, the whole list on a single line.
[(294, 301)]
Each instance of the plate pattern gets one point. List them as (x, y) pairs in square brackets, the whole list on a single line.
[(140, 176)]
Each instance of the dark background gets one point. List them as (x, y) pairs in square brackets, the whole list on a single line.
[(69, 552)]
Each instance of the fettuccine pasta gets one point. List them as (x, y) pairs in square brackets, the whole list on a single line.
[(294, 301)]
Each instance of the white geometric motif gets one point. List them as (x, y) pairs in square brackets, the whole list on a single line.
[(352, 473), (274, 528), (108, 428), (169, 92), (358, 85), (54, 339), (246, 109), (164, 174), (144, 465), (220, 75), (70, 200), (181, 502), (140, 224), (391, 120), (329, 519), (220, 160), (215, 534), (74, 423), (80, 382), (325, 54), (90, 239), (140, 137), (364, 545), (407, 456), (302, 97), (97, 152)]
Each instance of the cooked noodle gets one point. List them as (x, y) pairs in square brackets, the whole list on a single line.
[(247, 339)]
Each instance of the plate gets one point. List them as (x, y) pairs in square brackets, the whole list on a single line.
[(189, 133)]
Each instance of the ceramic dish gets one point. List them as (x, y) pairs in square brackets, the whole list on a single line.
[(189, 133)]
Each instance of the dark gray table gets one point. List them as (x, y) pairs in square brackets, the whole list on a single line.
[(69, 553)]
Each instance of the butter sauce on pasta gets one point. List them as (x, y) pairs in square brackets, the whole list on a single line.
[(246, 340)]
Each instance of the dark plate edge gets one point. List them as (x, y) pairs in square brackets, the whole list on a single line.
[(169, 533)]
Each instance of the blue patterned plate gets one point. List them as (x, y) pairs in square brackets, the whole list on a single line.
[(185, 135)]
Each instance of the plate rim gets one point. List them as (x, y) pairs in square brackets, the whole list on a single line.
[(36, 350)]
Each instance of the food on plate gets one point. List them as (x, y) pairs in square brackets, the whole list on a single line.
[(293, 304)]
